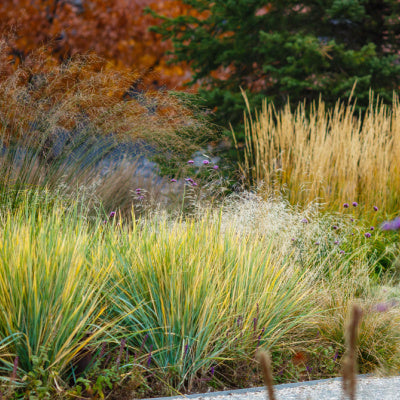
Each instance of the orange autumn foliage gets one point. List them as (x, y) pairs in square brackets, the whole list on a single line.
[(116, 30)]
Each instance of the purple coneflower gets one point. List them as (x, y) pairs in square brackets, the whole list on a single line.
[(367, 235)]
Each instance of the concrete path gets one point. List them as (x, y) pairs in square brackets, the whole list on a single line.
[(368, 388)]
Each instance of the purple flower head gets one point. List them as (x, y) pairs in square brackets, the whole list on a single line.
[(141, 197), (103, 349), (352, 219), (372, 228), (341, 251), (15, 369), (375, 208), (138, 190), (173, 180), (186, 350), (215, 167), (144, 341), (346, 205), (336, 242), (190, 180), (335, 227), (194, 184), (367, 235), (317, 243), (392, 225), (336, 356), (190, 162), (149, 359), (304, 221), (255, 324), (206, 162), (112, 215), (293, 239), (309, 369), (355, 204), (382, 307), (212, 370), (121, 349)]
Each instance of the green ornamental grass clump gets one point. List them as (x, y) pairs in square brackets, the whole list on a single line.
[(161, 304)]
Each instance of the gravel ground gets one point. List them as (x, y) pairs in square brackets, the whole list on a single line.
[(368, 388)]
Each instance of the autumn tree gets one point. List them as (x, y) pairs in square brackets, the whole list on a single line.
[(116, 30)]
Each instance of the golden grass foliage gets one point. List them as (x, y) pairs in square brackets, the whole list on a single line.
[(332, 155)]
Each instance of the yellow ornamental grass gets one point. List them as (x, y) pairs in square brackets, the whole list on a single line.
[(50, 296), (330, 155)]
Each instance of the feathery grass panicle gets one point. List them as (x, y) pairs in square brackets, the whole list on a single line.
[(59, 122), (265, 361), (349, 370), (328, 154)]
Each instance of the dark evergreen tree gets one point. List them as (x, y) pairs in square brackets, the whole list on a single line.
[(283, 49)]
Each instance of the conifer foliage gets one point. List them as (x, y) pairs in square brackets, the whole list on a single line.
[(285, 49)]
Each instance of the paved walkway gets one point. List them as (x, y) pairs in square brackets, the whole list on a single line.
[(368, 388)]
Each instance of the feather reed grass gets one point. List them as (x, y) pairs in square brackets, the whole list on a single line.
[(331, 156)]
